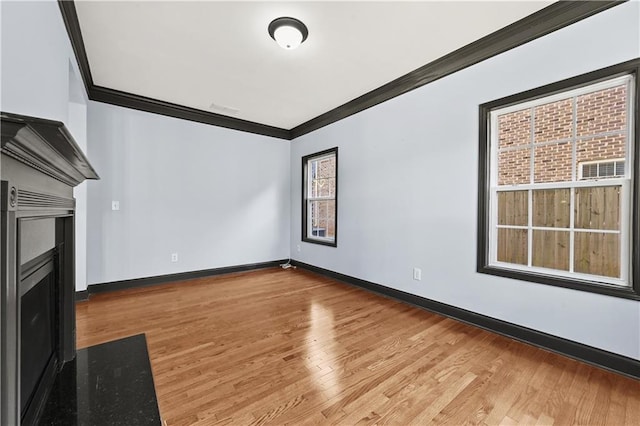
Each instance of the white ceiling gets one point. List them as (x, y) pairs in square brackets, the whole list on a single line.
[(202, 53)]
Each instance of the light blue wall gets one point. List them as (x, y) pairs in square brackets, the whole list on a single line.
[(39, 77), (241, 218), (217, 197), (35, 60), (408, 188)]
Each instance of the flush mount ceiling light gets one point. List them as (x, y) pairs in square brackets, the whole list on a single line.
[(289, 33)]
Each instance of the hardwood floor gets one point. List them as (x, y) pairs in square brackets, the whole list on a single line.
[(291, 347)]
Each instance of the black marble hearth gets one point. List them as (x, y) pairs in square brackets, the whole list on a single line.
[(107, 384)]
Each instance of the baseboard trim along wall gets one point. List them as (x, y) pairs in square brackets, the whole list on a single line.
[(181, 276), (82, 295), (594, 356)]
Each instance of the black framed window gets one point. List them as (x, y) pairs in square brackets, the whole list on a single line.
[(558, 184), (320, 197)]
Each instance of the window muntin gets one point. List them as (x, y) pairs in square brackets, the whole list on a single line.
[(545, 216), (320, 197)]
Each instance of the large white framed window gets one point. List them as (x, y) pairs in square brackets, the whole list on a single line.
[(557, 204), (320, 197)]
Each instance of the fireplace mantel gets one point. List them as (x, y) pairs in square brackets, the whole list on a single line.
[(40, 163), (46, 146)]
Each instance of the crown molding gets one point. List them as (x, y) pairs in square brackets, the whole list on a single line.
[(70, 18), (142, 103), (553, 17)]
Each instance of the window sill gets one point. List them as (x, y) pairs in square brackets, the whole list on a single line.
[(321, 242), (574, 284)]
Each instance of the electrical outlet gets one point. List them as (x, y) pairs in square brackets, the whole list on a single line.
[(299, 248), (417, 274), (174, 257), (115, 205)]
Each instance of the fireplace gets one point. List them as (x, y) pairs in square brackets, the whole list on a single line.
[(40, 165)]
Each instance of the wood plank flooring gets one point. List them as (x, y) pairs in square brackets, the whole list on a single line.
[(291, 347)]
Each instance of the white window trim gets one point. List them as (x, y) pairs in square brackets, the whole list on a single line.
[(624, 182)]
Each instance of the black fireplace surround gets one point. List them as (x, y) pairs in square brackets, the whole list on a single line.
[(39, 317), (40, 165)]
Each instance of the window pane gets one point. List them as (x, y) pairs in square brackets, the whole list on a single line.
[(324, 187), (600, 149), (331, 229), (553, 121), (322, 183), (513, 208), (598, 208), (313, 179), (327, 167), (512, 246), (514, 128), (551, 249), (597, 253), (589, 171), (552, 208), (313, 188), (552, 163), (602, 111), (606, 169), (514, 167), (323, 218)]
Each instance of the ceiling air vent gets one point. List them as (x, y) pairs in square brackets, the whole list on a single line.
[(223, 109)]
